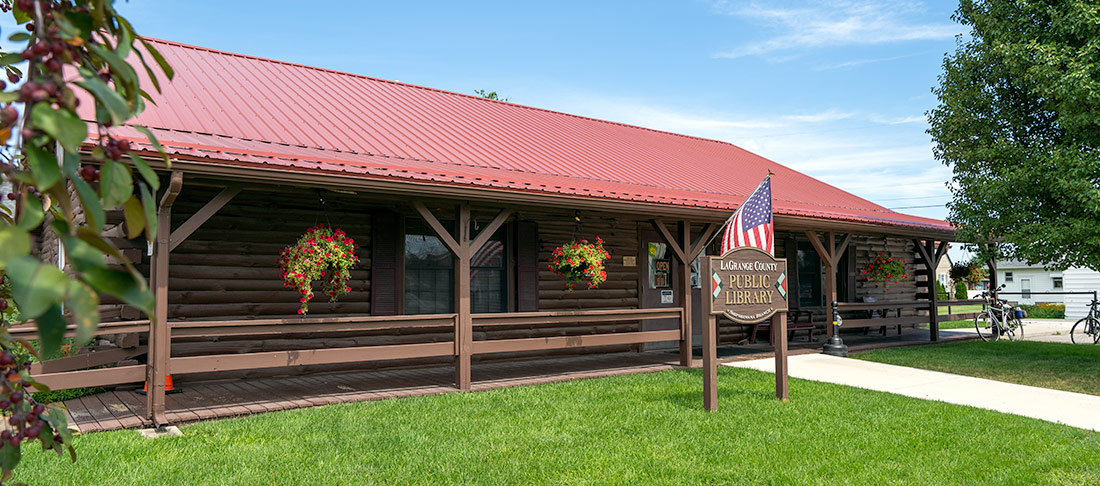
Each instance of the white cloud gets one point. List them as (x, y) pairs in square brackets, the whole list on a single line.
[(835, 24), (870, 155), (827, 115)]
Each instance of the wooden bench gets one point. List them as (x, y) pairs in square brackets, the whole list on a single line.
[(797, 320)]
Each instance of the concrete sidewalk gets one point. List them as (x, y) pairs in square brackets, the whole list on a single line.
[(1073, 409)]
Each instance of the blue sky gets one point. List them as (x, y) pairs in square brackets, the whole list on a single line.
[(835, 89)]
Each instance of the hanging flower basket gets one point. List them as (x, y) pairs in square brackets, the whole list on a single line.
[(322, 253), (885, 268), (580, 261)]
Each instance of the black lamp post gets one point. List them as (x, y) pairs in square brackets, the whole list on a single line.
[(836, 346)]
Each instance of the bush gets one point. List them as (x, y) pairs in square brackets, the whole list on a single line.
[(1045, 310), (960, 290), (941, 291)]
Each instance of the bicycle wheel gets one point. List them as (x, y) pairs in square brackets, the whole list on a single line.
[(1083, 332), (986, 327), (1015, 329)]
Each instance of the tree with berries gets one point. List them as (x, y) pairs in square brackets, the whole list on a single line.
[(66, 173)]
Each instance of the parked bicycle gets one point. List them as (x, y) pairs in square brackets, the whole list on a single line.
[(998, 319), (1087, 330)]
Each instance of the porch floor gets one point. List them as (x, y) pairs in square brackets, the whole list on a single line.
[(232, 398)]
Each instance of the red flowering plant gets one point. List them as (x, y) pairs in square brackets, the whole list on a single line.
[(580, 260), (885, 268), (322, 253)]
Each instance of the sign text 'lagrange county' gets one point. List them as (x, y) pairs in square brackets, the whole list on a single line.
[(748, 285)]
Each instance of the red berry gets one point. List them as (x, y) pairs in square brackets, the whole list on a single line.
[(30, 26)]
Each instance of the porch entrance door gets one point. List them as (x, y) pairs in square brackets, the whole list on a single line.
[(659, 274)]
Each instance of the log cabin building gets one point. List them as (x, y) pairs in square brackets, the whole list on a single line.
[(456, 202)]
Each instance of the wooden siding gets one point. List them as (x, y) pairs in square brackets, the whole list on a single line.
[(228, 266)]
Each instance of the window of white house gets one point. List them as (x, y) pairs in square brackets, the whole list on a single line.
[(1008, 276), (1057, 281)]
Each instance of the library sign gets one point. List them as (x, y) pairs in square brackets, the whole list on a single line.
[(748, 285)]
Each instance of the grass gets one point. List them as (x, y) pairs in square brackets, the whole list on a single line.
[(1060, 366), (637, 429)]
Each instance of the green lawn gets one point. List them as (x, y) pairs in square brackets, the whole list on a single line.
[(1060, 366), (637, 429)]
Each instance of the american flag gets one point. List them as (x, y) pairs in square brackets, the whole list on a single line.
[(752, 224)]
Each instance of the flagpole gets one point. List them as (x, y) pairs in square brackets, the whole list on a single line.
[(721, 228)]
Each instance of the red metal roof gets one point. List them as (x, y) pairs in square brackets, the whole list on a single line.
[(244, 110)]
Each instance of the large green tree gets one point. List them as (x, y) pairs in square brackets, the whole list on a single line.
[(1018, 121)]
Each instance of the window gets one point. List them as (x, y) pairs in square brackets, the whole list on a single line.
[(488, 285), (809, 276), (1008, 276), (1025, 288), (1057, 282), (429, 273)]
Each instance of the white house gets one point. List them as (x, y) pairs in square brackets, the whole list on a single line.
[(1079, 280), (1024, 283)]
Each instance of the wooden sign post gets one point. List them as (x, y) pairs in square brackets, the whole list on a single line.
[(747, 285)]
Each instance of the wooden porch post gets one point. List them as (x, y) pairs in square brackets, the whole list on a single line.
[(830, 256), (686, 252), (931, 254), (160, 336), (159, 339), (464, 332), (464, 248)]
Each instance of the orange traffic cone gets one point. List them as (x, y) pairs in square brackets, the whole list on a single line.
[(168, 386)]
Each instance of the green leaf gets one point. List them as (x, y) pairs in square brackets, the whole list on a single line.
[(19, 37), (81, 255), (93, 210), (43, 165), (146, 172), (116, 185), (35, 285), (150, 207), (122, 71), (153, 140), (21, 16), (9, 457), (32, 212), (10, 58), (108, 97), (62, 125), (51, 330), (95, 239), (13, 243), (59, 422), (83, 302), (9, 96), (159, 58), (122, 285), (70, 163), (135, 217), (82, 21)]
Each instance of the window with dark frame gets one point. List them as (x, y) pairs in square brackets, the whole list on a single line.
[(809, 276), (1057, 282), (429, 273), (1008, 276)]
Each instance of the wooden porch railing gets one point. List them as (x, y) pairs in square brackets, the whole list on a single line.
[(885, 306), (60, 373), (950, 316), (579, 316)]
